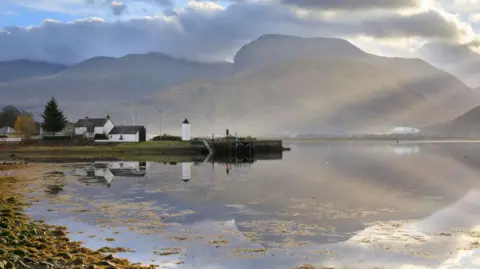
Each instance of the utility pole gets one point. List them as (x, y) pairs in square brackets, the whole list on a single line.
[(160, 122), (131, 109)]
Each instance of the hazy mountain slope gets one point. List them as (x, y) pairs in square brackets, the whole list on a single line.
[(19, 69), (279, 85), (467, 125), (106, 79), (459, 60), (317, 94)]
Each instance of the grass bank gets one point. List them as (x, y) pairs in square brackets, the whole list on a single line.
[(145, 146), (30, 244), (159, 151)]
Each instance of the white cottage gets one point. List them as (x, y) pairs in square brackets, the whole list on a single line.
[(128, 134), (90, 127)]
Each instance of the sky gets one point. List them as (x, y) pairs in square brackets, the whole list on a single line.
[(70, 31)]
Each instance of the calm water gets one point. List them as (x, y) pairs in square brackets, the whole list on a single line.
[(356, 205)]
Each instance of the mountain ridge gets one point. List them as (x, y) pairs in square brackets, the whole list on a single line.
[(20, 69), (277, 84)]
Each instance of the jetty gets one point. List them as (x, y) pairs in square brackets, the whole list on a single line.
[(235, 146)]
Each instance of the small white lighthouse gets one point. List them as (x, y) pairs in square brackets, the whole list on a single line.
[(186, 172), (186, 130)]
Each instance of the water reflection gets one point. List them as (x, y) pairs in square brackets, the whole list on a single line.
[(106, 172), (339, 204)]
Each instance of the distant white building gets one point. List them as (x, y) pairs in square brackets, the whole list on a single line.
[(400, 130), (90, 127)]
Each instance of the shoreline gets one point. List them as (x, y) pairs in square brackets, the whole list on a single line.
[(25, 243)]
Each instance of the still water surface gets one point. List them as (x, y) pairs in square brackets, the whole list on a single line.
[(345, 205)]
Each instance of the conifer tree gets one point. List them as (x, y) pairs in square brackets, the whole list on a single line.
[(53, 119)]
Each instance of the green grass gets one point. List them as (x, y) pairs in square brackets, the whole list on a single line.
[(156, 144), (117, 148), (74, 157)]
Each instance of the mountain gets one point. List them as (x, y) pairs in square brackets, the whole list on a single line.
[(271, 50), (104, 79), (277, 85), (466, 125), (291, 88), (460, 60), (20, 69)]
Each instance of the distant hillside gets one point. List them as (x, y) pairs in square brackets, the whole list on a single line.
[(457, 59), (467, 125), (20, 69), (278, 85), (317, 91), (105, 79)]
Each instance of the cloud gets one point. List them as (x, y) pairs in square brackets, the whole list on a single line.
[(10, 13), (209, 32), (118, 8), (431, 24), (354, 4), (165, 3)]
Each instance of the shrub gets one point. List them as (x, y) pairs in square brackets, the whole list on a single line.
[(57, 138), (166, 137), (100, 137)]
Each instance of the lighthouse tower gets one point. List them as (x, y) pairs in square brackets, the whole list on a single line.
[(186, 130), (186, 172)]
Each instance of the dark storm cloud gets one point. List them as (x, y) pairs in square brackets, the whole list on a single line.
[(353, 4), (431, 24)]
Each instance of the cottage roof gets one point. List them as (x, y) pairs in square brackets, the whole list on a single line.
[(87, 122), (7, 130), (126, 129), (127, 173)]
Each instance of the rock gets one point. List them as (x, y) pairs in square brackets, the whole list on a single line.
[(20, 252), (78, 261), (47, 264), (111, 265), (28, 260), (64, 255), (91, 266)]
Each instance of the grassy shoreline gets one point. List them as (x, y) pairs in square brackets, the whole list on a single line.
[(161, 151), (25, 243)]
